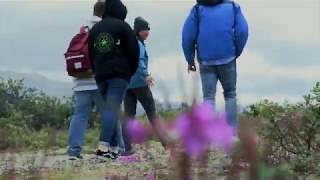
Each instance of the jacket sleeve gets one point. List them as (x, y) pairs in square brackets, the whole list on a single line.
[(131, 48), (241, 31), (189, 36), (91, 51), (143, 67)]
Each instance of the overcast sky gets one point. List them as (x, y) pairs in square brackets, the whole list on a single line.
[(280, 62)]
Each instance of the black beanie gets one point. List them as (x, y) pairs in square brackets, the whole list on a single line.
[(140, 24)]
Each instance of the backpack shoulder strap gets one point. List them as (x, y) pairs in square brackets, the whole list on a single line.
[(234, 13), (197, 16), (84, 29), (234, 7)]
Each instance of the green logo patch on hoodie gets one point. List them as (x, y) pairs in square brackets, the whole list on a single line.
[(104, 42)]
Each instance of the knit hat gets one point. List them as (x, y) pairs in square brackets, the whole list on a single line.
[(140, 24)]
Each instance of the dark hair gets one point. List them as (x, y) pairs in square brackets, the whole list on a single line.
[(98, 9), (209, 2)]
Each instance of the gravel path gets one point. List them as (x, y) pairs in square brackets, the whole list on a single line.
[(153, 159), (21, 163)]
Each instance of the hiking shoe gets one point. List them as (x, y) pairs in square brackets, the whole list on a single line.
[(114, 155), (74, 158), (107, 155), (105, 152)]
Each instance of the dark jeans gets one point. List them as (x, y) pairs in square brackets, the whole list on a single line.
[(144, 96), (112, 91)]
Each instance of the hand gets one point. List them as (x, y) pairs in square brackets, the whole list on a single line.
[(150, 81), (192, 67)]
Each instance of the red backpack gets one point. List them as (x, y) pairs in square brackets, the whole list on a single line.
[(77, 55)]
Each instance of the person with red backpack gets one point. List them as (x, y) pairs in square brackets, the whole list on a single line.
[(114, 55), (85, 88)]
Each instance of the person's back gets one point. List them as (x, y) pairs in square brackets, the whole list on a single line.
[(114, 55), (114, 50), (219, 30)]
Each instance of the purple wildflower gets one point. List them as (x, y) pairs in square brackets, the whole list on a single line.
[(221, 133), (129, 159), (201, 128), (150, 175), (137, 131)]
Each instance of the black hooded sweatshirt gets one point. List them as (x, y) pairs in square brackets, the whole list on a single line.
[(113, 47)]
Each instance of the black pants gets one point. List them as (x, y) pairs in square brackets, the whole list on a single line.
[(144, 96)]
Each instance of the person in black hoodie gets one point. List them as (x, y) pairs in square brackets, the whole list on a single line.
[(114, 55)]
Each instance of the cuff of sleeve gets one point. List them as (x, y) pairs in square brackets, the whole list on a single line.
[(191, 62)]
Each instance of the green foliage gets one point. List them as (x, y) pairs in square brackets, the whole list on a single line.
[(281, 172), (30, 109), (292, 130), (26, 110)]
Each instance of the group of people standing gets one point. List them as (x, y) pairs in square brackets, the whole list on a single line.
[(216, 31)]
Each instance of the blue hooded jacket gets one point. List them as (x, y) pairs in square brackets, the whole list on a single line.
[(218, 32), (139, 78)]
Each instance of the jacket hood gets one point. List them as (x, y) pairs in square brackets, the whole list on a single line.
[(115, 9), (209, 2)]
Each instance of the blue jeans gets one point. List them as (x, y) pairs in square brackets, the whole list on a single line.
[(227, 75), (85, 101), (112, 91)]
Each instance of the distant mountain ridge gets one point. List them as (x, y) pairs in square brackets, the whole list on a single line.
[(40, 82)]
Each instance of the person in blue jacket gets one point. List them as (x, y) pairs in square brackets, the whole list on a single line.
[(139, 86), (217, 32)]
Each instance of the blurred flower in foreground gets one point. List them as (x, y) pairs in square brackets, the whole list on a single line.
[(150, 175), (129, 159), (137, 131), (201, 128)]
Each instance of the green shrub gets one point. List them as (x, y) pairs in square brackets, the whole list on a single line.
[(292, 130)]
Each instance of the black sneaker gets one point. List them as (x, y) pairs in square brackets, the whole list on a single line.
[(74, 158), (114, 155), (108, 155)]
